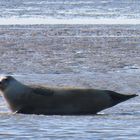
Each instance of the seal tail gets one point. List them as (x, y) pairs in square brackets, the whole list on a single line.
[(117, 97)]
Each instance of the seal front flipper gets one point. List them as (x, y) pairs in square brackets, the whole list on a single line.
[(26, 110)]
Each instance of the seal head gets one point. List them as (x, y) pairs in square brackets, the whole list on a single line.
[(4, 82), (12, 91)]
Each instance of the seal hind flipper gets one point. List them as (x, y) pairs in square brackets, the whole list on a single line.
[(117, 97)]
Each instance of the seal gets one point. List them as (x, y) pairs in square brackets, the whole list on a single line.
[(28, 99)]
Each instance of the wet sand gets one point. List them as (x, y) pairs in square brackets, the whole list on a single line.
[(46, 49)]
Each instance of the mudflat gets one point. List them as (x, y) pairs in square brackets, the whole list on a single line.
[(68, 48)]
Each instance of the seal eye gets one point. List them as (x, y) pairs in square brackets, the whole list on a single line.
[(5, 80)]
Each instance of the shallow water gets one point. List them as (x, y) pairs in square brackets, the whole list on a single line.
[(70, 8), (70, 127), (69, 12)]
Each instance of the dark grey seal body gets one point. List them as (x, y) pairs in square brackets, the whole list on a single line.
[(54, 101)]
